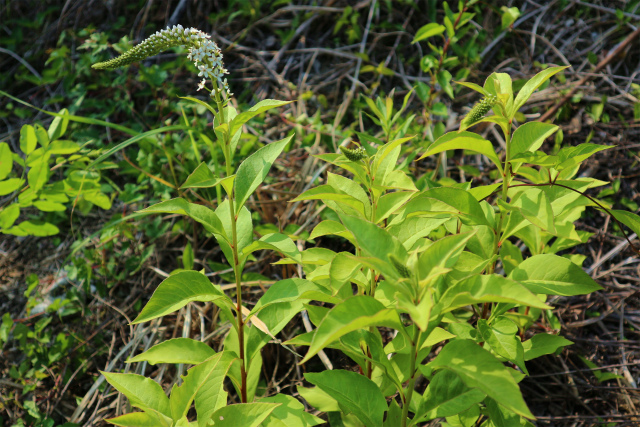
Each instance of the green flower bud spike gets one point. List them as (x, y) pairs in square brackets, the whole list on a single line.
[(355, 155), (479, 110), (402, 269), (206, 54)]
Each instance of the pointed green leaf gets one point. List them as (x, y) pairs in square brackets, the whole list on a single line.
[(201, 214), (463, 141), (201, 177), (141, 419), (179, 289), (488, 288), (354, 313), (501, 336), (143, 393), (287, 290), (327, 193), (530, 136), (355, 394), (177, 350), (426, 31), (478, 368), (541, 344), (290, 413), (446, 395), (442, 254), (203, 383), (254, 169), (200, 102), (473, 86), (534, 83), (242, 414), (629, 219), (570, 157), (554, 275), (259, 108), (374, 240), (59, 125), (276, 242)]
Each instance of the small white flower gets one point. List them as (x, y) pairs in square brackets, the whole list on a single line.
[(201, 84)]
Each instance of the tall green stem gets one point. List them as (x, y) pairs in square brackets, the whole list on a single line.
[(237, 269), (412, 380)]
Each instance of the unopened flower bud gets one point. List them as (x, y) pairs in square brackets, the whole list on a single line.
[(355, 155)]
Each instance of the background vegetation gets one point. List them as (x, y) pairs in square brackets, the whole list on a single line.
[(66, 300)]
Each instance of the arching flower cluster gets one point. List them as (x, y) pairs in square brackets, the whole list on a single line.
[(204, 53)]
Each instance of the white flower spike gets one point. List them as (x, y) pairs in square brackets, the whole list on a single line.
[(204, 53)]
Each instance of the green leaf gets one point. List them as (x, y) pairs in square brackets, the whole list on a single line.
[(33, 228), (42, 136), (254, 169), (442, 255), (473, 86), (354, 313), (426, 31), (444, 79), (554, 275), (530, 136), (541, 344), (201, 177), (201, 214), (241, 414), (177, 350), (346, 203), (276, 242), (464, 141), (287, 290), (374, 240), (533, 204), (63, 146), (28, 140), (59, 125), (6, 160), (349, 187), (448, 200), (500, 335), (200, 102), (319, 399), (203, 383), (9, 215), (143, 393), (38, 175), (488, 288), (290, 413), (478, 368), (329, 227), (49, 206), (534, 83), (141, 419), (389, 203), (259, 108), (569, 157), (445, 396), (355, 394), (176, 291), (629, 219)]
